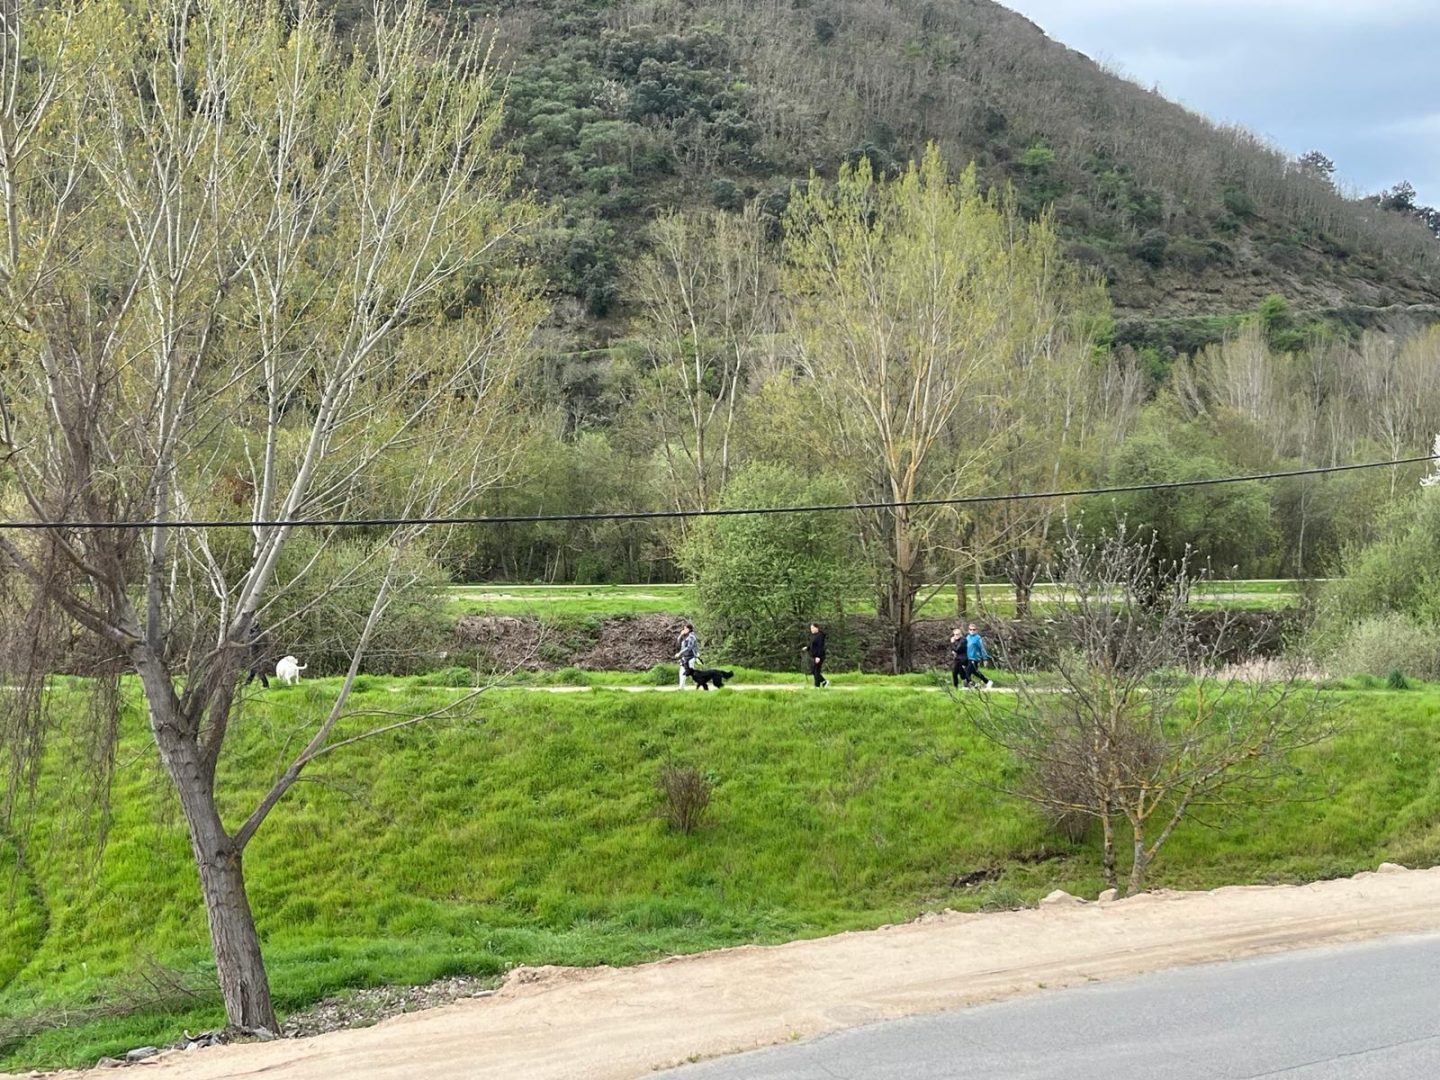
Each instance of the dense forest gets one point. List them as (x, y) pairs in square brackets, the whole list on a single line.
[(624, 108), (1257, 317)]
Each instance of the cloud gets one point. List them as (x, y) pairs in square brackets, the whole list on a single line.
[(1297, 13), (1349, 77)]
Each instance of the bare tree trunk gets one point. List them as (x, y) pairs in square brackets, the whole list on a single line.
[(1024, 567), (239, 963), (1142, 860), (904, 607), (903, 588), (961, 598), (238, 960), (1107, 859)]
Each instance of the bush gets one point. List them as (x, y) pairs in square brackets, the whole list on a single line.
[(686, 793), (1397, 576), (1037, 158), (1238, 201), (1390, 643), (1151, 247), (1396, 680), (761, 579)]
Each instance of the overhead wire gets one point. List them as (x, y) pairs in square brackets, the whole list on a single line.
[(657, 515)]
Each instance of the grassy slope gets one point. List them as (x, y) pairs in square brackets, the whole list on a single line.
[(532, 838)]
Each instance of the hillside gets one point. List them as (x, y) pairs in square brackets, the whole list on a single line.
[(533, 833), (622, 108)]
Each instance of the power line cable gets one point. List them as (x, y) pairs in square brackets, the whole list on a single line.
[(653, 515)]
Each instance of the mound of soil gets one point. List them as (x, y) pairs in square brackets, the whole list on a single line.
[(619, 643)]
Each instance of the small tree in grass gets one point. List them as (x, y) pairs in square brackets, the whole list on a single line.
[(1145, 728), (761, 579)]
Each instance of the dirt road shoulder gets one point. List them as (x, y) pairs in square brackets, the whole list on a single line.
[(609, 1024)]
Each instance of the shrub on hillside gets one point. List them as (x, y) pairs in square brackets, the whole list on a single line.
[(1398, 575), (686, 794), (1383, 644)]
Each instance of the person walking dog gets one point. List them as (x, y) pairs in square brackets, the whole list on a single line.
[(689, 652)]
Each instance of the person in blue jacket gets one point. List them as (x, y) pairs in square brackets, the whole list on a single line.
[(975, 652)]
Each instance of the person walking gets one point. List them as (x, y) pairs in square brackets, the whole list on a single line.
[(689, 652), (975, 652), (959, 657), (816, 649)]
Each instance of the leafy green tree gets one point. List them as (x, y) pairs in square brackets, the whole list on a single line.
[(705, 293), (761, 579), (245, 267), (1316, 164), (903, 297), (1228, 527), (1399, 572)]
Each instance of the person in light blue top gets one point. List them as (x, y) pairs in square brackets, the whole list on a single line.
[(975, 652)]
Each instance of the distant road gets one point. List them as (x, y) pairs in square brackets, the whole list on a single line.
[(1341, 1013)]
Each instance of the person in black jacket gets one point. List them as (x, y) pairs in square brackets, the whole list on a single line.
[(959, 658), (816, 649)]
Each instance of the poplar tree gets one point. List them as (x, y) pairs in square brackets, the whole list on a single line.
[(246, 269), (911, 299)]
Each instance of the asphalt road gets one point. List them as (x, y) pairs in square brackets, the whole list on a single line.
[(1346, 1013)]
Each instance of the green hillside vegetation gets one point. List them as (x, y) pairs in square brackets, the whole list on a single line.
[(532, 834), (1261, 318), (622, 107)]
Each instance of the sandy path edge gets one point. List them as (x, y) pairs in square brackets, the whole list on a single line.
[(608, 1023)]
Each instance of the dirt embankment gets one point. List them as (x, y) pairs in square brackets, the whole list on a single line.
[(616, 1024), (639, 642)]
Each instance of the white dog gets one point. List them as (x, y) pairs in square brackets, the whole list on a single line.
[(287, 670)]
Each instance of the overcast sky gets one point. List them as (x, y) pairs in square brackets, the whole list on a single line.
[(1358, 79)]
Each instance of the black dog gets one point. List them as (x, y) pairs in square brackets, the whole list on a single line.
[(705, 676)]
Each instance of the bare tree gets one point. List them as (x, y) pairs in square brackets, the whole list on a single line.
[(907, 299), (706, 295), (248, 269), (1147, 726)]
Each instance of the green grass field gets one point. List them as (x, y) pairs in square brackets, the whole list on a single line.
[(571, 602), (530, 834)]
